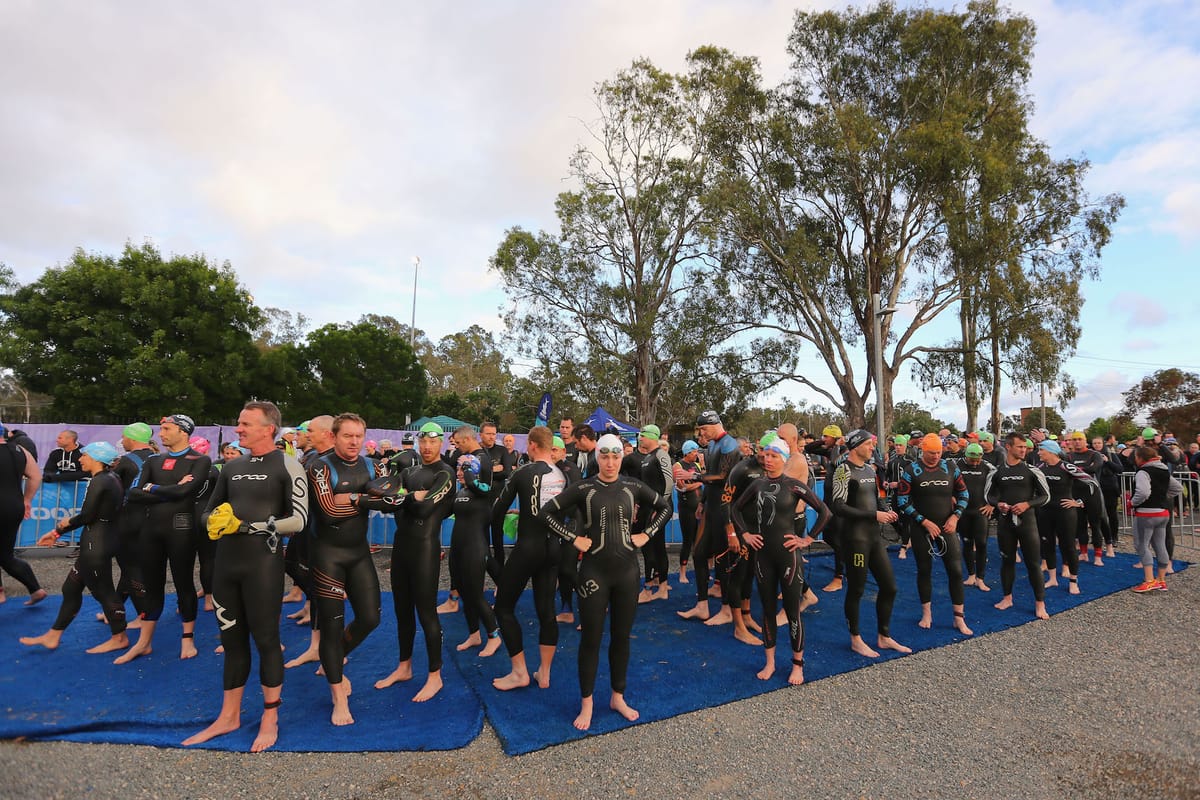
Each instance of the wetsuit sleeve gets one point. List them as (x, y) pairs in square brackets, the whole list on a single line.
[(664, 463), (481, 485), (442, 486), (662, 509), (840, 499), (904, 503), (297, 500), (555, 511), (509, 493), (991, 491), (1081, 477), (735, 510), (962, 495), (89, 512), (320, 487), (220, 495), (139, 495), (804, 492), (1041, 489), (198, 469)]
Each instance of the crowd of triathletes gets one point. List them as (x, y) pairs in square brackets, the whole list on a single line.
[(585, 502)]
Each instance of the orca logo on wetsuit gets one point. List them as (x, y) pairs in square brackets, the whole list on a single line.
[(248, 477), (224, 622)]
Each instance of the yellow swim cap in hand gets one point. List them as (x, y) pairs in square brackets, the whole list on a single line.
[(222, 521)]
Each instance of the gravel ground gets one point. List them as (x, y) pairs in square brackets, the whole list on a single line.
[(1099, 702)]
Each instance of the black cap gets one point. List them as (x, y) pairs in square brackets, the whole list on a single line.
[(406, 437), (709, 418), (856, 438)]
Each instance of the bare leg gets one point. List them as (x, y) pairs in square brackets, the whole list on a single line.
[(489, 649), (769, 668), (810, 599), (268, 727), (1039, 610), (960, 622), (433, 685), (740, 632), (187, 645), (340, 694), (565, 616), (926, 620), (230, 718), (584, 720)]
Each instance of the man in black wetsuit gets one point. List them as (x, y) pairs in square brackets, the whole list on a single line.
[(608, 573), (135, 438), (416, 560), (297, 557), (535, 558), (503, 464), (933, 495), (167, 486), (1014, 490), (769, 515), (825, 455), (469, 552), (16, 504), (855, 498), (651, 465), (258, 498), (973, 527), (466, 444), (342, 568), (1092, 515), (722, 453), (93, 568)]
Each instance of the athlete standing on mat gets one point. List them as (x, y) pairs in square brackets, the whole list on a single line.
[(1015, 489), (855, 499), (16, 464), (258, 499), (93, 566), (608, 573), (973, 527)]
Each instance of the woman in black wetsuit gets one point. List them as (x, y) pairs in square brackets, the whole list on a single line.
[(608, 573), (767, 517), (93, 566)]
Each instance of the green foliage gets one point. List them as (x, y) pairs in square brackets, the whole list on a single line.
[(1169, 400), (909, 416), (133, 336)]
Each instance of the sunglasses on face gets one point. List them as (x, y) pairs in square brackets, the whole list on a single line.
[(605, 451)]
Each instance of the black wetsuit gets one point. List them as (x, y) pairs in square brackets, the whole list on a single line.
[(935, 494), (689, 504), (568, 557), (973, 525), (735, 565), (535, 556), (130, 520), (508, 464), (654, 470), (768, 507), (248, 573), (823, 461), (167, 533), (93, 566), (1057, 525), (1012, 484), (206, 548), (341, 564), (895, 466), (719, 459), (1092, 515), (608, 572), (469, 547), (855, 499), (416, 555), (12, 513)]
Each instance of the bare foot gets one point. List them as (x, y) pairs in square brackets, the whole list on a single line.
[(512, 680), (584, 720), (303, 619), (118, 642), (699, 611), (714, 590), (1073, 587), (663, 593), (743, 635), (299, 613), (542, 676), (312, 654), (136, 651), (4, 597), (341, 704), (471, 641), (722, 617), (646, 595), (48, 640), (220, 650), (834, 585), (981, 586), (221, 727), (402, 673), (566, 616), (1005, 603), (961, 624), (36, 597), (433, 685), (618, 704), (208, 603), (969, 581), (187, 648), (797, 675), (926, 621), (1052, 582), (268, 731), (781, 617), (750, 623), (767, 671), (903, 554), (683, 578), (809, 599), (294, 596), (888, 643), (450, 606), (1039, 610), (489, 649), (862, 648)]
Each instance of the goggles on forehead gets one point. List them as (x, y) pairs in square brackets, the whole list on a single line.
[(429, 435), (604, 451)]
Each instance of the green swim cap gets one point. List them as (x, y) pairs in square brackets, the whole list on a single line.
[(558, 442), (431, 430), (767, 438), (974, 450), (138, 432), (1149, 433)]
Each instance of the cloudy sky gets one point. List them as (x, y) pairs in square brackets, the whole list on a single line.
[(320, 147)]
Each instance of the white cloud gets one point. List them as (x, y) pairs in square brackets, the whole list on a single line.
[(1141, 311)]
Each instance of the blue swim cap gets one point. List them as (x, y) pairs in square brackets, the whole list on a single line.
[(102, 452), (690, 446), (1050, 446), (469, 463)]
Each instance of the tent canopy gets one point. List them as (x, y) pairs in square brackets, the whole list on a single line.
[(601, 420), (449, 424)]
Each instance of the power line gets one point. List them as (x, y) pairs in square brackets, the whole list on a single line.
[(1118, 361)]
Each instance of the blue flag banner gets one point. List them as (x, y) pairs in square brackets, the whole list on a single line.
[(543, 412)]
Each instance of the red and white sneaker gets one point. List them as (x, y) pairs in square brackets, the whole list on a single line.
[(1146, 586)]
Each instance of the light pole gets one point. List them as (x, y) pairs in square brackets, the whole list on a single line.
[(878, 312), (412, 328)]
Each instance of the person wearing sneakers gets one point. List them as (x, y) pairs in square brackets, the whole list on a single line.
[(1154, 493)]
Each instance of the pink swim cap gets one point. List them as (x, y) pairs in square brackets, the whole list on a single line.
[(199, 444)]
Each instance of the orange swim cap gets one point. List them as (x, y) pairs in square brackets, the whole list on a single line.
[(932, 443)]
